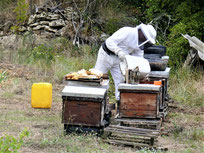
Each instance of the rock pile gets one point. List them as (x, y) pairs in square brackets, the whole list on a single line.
[(57, 23), (50, 22)]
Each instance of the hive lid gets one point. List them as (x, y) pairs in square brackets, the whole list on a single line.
[(139, 87), (104, 84), (160, 74), (87, 92)]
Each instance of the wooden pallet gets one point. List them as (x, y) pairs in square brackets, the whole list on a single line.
[(133, 132), (140, 123), (139, 137)]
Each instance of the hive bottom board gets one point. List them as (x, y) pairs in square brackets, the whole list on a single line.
[(82, 129)]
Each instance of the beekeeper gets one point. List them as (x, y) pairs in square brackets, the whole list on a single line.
[(125, 41)]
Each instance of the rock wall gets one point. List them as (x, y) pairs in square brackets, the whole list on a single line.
[(57, 23), (50, 22)]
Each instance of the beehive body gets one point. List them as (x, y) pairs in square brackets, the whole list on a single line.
[(139, 101), (84, 106), (41, 95)]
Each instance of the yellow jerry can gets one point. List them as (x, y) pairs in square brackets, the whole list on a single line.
[(41, 95)]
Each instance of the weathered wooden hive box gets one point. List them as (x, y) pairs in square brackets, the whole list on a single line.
[(139, 101), (164, 77), (84, 105)]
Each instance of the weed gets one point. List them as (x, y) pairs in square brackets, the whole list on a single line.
[(11, 144), (195, 134), (3, 76), (177, 129), (44, 52)]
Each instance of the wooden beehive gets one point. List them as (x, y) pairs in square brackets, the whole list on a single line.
[(139, 101), (164, 77), (83, 106)]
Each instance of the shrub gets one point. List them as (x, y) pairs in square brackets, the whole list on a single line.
[(185, 17), (111, 26), (21, 11)]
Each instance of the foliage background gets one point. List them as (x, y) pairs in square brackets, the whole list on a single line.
[(171, 19)]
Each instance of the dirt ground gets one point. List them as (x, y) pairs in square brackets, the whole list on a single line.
[(180, 132)]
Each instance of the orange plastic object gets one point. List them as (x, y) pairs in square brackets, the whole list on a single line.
[(41, 95), (158, 83)]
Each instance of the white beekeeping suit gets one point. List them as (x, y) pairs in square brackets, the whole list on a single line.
[(125, 41)]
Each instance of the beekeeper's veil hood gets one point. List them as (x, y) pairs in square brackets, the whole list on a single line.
[(146, 34)]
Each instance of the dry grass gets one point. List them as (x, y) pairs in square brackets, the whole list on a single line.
[(184, 123), (6, 11), (44, 125), (186, 86)]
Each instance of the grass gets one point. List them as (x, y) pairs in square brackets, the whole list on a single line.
[(3, 76), (6, 11), (187, 87), (186, 118)]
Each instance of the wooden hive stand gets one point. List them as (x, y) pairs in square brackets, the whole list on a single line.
[(138, 121)]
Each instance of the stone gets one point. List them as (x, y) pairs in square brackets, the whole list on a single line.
[(1, 33), (65, 31), (52, 16), (34, 24), (29, 29), (57, 23), (31, 19), (44, 22), (7, 26), (37, 32), (22, 29), (46, 34), (39, 27), (50, 29), (42, 16)]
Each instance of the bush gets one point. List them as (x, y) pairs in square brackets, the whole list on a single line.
[(171, 19), (21, 11), (185, 17), (111, 26)]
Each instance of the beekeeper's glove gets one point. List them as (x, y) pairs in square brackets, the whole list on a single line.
[(120, 54)]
